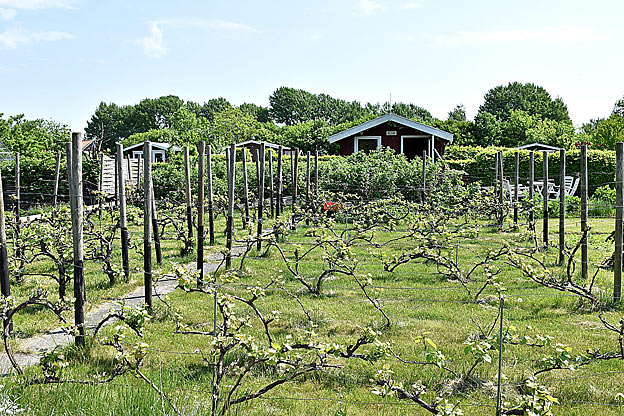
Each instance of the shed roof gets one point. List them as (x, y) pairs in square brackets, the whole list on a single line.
[(259, 143), (156, 145), (538, 146), (395, 118)]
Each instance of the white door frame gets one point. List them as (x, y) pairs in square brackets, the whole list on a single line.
[(357, 138)]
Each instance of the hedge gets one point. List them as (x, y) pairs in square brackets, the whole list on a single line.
[(478, 163)]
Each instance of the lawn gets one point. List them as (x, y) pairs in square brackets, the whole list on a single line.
[(421, 303)]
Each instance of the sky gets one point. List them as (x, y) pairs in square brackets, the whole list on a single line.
[(60, 58)]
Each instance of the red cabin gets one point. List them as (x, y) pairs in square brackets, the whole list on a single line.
[(399, 133)]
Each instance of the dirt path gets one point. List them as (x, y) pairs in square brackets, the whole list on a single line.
[(37, 345)]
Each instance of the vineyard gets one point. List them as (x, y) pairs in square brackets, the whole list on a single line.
[(355, 288)]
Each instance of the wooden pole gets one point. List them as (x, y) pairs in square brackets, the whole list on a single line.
[(155, 226), (261, 175), (18, 192), (57, 174), (101, 187), (562, 204), (424, 176), (531, 189), (271, 191), (308, 186), (496, 174), (211, 232), (584, 213), (516, 186), (123, 221), (545, 196), (68, 154), (147, 224), (245, 186), (619, 215), (295, 176), (280, 183), (501, 190), (189, 201), (230, 218), (116, 195), (77, 234), (200, 212), (316, 175), (18, 204), (4, 256)]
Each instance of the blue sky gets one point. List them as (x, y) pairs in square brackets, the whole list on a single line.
[(60, 58)]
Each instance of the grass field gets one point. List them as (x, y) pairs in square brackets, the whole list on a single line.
[(417, 299)]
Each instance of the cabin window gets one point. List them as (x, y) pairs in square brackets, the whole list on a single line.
[(366, 143)]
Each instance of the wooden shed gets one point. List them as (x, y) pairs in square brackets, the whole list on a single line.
[(405, 136)]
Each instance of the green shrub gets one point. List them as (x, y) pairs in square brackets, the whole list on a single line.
[(478, 163)]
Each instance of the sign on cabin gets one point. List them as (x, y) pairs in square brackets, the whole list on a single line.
[(391, 133)]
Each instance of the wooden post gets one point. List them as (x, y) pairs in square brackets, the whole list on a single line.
[(545, 195), (123, 222), (495, 176), (189, 202), (583, 186), (272, 191), (115, 194), (147, 224), (424, 176), (308, 186), (294, 162), (57, 174), (260, 196), (619, 211), (211, 232), (516, 186), (77, 230), (101, 187), (257, 154), (200, 212), (501, 190), (139, 165), (562, 204), (155, 226), (68, 154), (18, 205), (245, 186), (4, 256), (230, 218), (18, 192), (280, 182), (531, 189), (316, 175)]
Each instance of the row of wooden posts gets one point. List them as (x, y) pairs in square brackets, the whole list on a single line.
[(583, 189), (75, 179)]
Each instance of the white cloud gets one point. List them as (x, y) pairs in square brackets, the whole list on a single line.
[(153, 45), (368, 7), (36, 4), (315, 36), (552, 34), (14, 37), (411, 6), (7, 14)]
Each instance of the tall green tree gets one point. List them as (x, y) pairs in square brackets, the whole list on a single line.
[(33, 138), (500, 101)]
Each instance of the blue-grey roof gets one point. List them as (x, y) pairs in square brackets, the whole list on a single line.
[(156, 145), (397, 119)]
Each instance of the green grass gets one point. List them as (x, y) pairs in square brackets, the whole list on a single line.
[(431, 304)]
